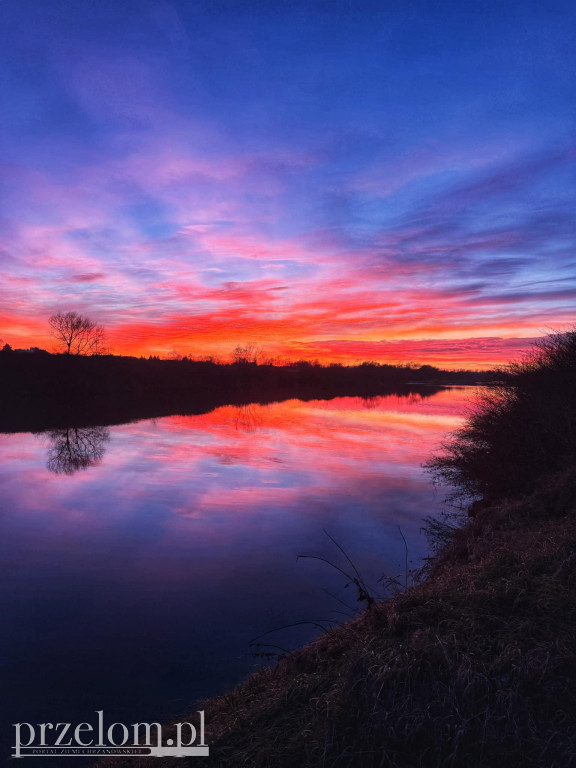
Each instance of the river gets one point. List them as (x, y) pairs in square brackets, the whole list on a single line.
[(140, 561)]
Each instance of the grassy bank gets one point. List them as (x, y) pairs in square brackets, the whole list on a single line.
[(473, 666)]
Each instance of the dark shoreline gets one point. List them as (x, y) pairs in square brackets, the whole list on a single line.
[(39, 391)]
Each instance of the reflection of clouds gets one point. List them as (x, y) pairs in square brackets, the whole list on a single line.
[(336, 438), (306, 456), (302, 455), (190, 497), (76, 448)]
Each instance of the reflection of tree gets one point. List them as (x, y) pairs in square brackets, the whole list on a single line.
[(247, 417), (76, 448)]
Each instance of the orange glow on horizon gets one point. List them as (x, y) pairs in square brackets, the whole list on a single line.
[(279, 343)]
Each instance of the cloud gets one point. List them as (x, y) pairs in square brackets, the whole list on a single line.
[(167, 174), (88, 277), (494, 182)]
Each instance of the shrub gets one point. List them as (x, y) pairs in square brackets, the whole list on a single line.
[(520, 430)]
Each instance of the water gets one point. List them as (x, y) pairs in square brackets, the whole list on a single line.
[(139, 561)]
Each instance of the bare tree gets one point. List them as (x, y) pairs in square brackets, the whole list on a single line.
[(77, 335), (250, 353)]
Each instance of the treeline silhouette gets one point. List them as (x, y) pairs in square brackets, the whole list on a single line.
[(39, 390)]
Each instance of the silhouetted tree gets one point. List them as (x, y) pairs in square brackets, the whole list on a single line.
[(249, 353), (72, 449), (76, 334)]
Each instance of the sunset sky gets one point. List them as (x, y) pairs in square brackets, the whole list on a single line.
[(331, 180)]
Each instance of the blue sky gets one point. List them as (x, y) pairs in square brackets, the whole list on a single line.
[(330, 180)]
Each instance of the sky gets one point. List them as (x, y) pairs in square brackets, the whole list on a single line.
[(330, 180)]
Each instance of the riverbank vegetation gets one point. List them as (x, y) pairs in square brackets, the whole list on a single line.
[(474, 665)]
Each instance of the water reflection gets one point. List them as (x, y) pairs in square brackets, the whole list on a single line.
[(136, 585), (76, 448), (247, 417)]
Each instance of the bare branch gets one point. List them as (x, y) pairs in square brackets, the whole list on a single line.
[(77, 335)]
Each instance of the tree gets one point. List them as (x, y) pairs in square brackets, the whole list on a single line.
[(76, 334), (250, 353)]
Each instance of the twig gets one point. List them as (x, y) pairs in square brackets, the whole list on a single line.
[(405, 557), (315, 623)]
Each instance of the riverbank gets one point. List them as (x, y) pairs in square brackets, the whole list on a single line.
[(473, 666), (41, 391)]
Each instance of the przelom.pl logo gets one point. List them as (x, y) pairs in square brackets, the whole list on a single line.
[(135, 740)]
